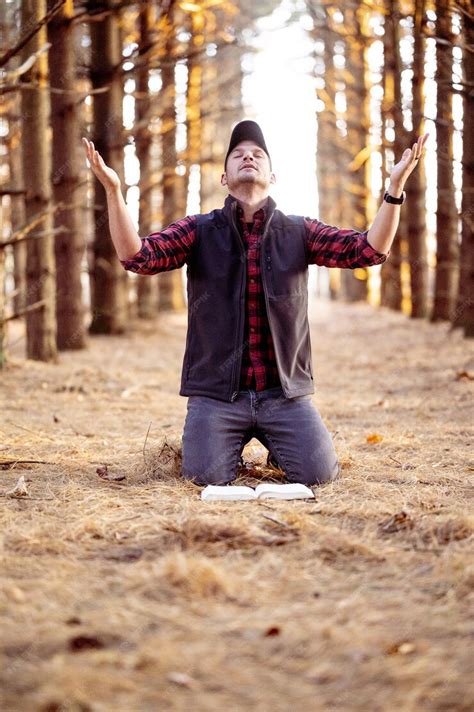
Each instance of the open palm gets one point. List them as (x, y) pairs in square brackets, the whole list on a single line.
[(408, 161), (107, 176)]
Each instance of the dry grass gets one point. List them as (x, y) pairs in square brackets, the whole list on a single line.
[(132, 595)]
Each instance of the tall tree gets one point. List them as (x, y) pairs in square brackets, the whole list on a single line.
[(221, 108), (329, 139), (69, 244), (392, 115), (354, 282), (447, 249), (464, 314), (40, 268), (17, 209), (171, 292), (146, 294), (108, 279), (416, 186)]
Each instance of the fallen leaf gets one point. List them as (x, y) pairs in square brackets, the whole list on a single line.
[(404, 648), (84, 642), (273, 630), (374, 438), (400, 520), (466, 375), (104, 473)]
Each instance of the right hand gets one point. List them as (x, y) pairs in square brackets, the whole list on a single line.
[(107, 176)]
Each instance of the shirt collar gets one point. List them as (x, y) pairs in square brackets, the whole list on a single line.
[(267, 209)]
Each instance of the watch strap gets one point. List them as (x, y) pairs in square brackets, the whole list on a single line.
[(391, 199)]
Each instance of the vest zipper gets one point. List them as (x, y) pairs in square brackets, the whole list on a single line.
[(234, 227), (262, 270), (265, 232)]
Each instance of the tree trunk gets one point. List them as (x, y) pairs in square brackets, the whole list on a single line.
[(40, 268), (330, 190), (108, 278), (464, 314), (221, 108), (146, 295), (69, 246), (354, 282), (447, 250), (416, 185), (3, 325), (17, 211), (171, 293), (391, 285)]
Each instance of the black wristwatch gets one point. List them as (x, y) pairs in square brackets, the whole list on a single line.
[(397, 201)]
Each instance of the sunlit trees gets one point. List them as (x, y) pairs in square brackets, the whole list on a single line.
[(109, 303), (447, 251), (36, 143), (416, 185), (66, 133), (464, 313)]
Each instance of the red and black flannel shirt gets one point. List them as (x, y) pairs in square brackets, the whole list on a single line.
[(328, 246)]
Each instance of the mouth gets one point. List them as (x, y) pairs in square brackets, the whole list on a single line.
[(248, 166)]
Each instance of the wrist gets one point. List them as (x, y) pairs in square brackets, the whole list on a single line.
[(395, 189), (113, 192)]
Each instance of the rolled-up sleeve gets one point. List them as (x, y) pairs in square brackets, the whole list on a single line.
[(165, 250), (330, 246)]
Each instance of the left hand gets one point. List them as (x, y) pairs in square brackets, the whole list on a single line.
[(408, 162)]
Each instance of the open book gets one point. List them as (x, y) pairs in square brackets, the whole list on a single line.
[(211, 493)]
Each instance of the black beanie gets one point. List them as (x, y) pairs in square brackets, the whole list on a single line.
[(246, 131)]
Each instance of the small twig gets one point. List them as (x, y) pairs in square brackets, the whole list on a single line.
[(277, 521), (4, 463), (144, 444), (395, 460), (262, 504), (22, 499)]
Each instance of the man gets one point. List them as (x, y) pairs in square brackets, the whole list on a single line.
[(247, 367)]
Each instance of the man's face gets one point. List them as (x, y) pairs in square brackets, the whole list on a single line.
[(248, 163)]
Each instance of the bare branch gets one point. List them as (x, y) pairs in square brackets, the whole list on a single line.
[(26, 38)]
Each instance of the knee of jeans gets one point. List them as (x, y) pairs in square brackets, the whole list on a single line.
[(323, 475)]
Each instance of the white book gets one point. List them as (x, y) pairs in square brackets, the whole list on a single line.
[(213, 493)]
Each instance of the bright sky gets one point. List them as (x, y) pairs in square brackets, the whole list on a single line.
[(279, 94)]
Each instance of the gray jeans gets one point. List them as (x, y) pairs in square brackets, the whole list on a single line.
[(216, 431)]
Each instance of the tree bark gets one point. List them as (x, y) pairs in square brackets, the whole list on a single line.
[(69, 246), (146, 294), (171, 292), (328, 168), (416, 185), (221, 108), (391, 284), (40, 268), (447, 250), (354, 282), (464, 314), (109, 300), (17, 211)]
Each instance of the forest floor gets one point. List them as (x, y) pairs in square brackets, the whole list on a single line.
[(133, 595)]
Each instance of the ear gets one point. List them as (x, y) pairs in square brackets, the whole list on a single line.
[(223, 179), (272, 178)]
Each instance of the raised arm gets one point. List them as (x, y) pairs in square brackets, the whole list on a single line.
[(385, 224), (159, 252), (124, 236)]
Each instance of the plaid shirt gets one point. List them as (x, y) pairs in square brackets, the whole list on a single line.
[(328, 246)]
